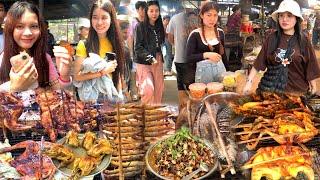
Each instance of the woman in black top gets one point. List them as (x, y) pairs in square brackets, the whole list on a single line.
[(205, 46), (149, 36)]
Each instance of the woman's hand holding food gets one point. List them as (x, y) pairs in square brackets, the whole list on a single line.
[(24, 78), (63, 61), (111, 67), (212, 56)]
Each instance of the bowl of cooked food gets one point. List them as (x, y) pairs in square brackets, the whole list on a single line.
[(80, 155), (181, 156)]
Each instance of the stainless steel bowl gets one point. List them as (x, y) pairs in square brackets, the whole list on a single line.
[(149, 166)]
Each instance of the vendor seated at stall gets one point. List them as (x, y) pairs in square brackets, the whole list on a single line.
[(287, 56), (24, 62)]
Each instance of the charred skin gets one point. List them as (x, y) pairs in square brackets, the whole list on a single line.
[(13, 105), (284, 168), (28, 163)]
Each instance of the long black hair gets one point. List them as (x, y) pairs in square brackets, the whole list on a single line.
[(11, 48), (113, 34), (301, 38), (158, 23)]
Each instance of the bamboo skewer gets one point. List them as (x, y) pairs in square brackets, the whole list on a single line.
[(221, 142), (249, 125), (249, 166), (121, 174), (270, 137)]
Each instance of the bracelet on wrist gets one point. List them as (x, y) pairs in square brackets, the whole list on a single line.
[(64, 81), (101, 74)]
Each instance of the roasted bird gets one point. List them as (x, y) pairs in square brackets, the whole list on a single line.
[(11, 108), (28, 163), (280, 162), (269, 105), (59, 112), (61, 153), (101, 148), (88, 140), (72, 139), (83, 166), (287, 128)]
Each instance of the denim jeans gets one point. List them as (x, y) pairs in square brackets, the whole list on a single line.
[(315, 37), (208, 71), (168, 57)]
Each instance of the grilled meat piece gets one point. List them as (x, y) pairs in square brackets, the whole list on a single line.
[(281, 162), (72, 139), (28, 163), (61, 153), (101, 148), (13, 105), (88, 140), (83, 166)]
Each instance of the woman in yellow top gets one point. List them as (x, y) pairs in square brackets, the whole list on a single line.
[(104, 36)]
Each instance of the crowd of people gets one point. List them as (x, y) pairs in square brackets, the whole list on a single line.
[(138, 52)]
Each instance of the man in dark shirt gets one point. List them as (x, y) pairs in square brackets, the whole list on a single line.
[(234, 20), (51, 40)]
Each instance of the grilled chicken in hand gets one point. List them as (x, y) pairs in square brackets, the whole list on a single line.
[(28, 163), (61, 153), (83, 166), (72, 139), (88, 140), (100, 149), (11, 109), (281, 162)]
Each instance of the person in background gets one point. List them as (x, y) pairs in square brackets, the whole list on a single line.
[(149, 38), (104, 36), (234, 21), (84, 26), (205, 46), (51, 40), (178, 31), (140, 7), (124, 26), (316, 30), (25, 30), (168, 49), (287, 56), (3, 13), (304, 26)]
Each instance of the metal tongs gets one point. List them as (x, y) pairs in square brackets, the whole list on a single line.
[(41, 156)]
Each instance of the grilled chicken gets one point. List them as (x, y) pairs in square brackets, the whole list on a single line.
[(72, 139), (88, 140), (281, 162), (61, 153), (28, 163), (100, 149), (13, 105), (83, 166)]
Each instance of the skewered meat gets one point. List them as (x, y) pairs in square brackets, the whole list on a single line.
[(72, 139), (100, 149), (83, 166), (285, 128), (61, 153), (28, 163), (88, 140), (270, 105), (13, 105), (59, 113), (280, 162)]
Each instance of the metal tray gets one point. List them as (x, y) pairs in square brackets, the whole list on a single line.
[(80, 152)]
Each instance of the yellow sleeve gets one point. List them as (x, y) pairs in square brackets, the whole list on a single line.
[(81, 50)]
